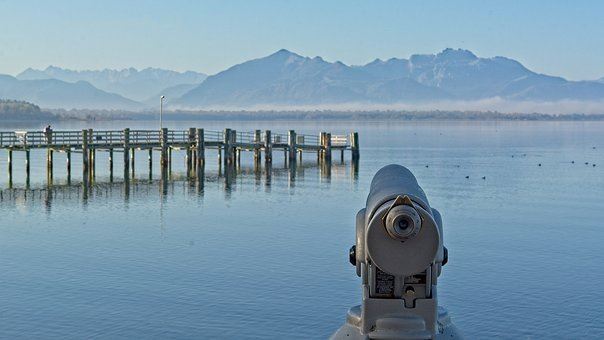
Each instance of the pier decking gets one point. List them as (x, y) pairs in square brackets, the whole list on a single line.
[(195, 141)]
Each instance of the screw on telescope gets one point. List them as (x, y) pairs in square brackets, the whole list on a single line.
[(352, 255)]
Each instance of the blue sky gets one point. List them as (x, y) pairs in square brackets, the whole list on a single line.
[(563, 38)]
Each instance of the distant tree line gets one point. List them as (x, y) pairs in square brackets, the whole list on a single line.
[(30, 110), (353, 115), (18, 110), (93, 115)]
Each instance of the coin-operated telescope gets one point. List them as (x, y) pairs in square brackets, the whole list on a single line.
[(399, 255)]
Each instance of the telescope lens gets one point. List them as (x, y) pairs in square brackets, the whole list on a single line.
[(402, 222)]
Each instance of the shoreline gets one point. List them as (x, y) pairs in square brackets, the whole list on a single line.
[(91, 115)]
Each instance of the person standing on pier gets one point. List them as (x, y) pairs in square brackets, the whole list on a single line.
[(48, 134)]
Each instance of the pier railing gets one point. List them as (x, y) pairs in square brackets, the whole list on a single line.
[(109, 137), (279, 138), (149, 137), (246, 137), (340, 140), (33, 139)]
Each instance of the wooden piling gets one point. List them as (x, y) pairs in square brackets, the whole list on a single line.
[(27, 163), (49, 161), (85, 154), (9, 162), (193, 157), (322, 146), (132, 160), (291, 143), (191, 147), (92, 162), (92, 155), (228, 150), (164, 149), (200, 149), (328, 147), (257, 146), (189, 157), (268, 147), (169, 160), (150, 160), (233, 145), (68, 162), (126, 153), (354, 145), (111, 163), (126, 188)]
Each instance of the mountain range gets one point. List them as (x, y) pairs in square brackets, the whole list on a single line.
[(53, 93), (130, 83), (451, 75), (286, 79)]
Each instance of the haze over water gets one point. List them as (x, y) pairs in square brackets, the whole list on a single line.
[(260, 259)]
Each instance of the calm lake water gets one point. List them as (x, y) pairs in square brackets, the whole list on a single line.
[(258, 258)]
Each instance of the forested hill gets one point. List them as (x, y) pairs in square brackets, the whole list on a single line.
[(22, 110)]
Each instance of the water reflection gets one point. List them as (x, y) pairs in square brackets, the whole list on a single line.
[(228, 177)]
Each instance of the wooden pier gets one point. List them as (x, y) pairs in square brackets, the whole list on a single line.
[(195, 141)]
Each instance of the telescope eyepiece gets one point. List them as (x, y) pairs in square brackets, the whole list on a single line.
[(403, 222)]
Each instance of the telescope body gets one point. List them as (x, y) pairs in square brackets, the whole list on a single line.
[(399, 255)]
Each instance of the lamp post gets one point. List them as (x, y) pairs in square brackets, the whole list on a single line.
[(161, 111)]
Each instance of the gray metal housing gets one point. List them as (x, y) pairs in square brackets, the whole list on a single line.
[(399, 277)]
